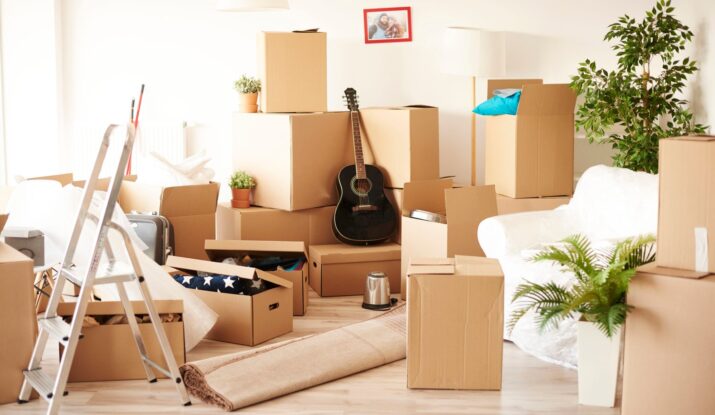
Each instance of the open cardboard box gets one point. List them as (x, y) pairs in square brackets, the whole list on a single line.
[(218, 250), (464, 208), (531, 154), (340, 269), (108, 352), (669, 365), (455, 323), (243, 319), (686, 215), (404, 142), (508, 205)]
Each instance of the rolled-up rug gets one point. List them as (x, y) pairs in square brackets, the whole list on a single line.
[(238, 380)]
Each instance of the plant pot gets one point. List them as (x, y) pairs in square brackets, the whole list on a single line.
[(241, 198), (598, 360), (248, 102)]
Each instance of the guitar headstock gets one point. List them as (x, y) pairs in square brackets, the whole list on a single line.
[(351, 99)]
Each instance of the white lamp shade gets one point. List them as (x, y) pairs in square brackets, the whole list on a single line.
[(473, 52), (251, 5)]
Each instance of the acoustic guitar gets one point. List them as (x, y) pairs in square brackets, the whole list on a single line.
[(364, 215)]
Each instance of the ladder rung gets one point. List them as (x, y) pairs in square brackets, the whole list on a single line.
[(157, 367), (40, 381), (57, 328), (106, 274)]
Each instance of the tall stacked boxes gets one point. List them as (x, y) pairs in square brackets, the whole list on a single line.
[(669, 367)]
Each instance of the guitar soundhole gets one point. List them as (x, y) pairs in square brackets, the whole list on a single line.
[(361, 187)]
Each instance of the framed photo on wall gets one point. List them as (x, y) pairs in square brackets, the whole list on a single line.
[(391, 24)]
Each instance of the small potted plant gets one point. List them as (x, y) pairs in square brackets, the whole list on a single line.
[(597, 297), (241, 184), (248, 89)]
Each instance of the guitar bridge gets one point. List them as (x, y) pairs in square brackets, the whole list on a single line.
[(364, 208)]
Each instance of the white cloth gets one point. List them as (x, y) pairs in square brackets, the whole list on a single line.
[(46, 206)]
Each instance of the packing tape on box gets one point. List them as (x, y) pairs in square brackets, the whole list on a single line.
[(701, 250)]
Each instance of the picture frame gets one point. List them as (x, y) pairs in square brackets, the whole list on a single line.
[(387, 24)]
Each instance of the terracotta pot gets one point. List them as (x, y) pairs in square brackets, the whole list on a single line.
[(248, 102), (240, 198)]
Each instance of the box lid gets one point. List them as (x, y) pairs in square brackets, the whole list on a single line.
[(459, 265), (701, 138), (655, 269), (216, 249), (342, 254), (184, 264), (427, 195), (548, 99), (110, 308)]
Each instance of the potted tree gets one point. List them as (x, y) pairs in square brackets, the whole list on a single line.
[(241, 184), (597, 298), (641, 97), (248, 89)]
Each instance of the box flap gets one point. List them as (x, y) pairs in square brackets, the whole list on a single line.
[(431, 261), (189, 264), (466, 208), (343, 254), (655, 269), (549, 99), (220, 249), (103, 182), (190, 200), (425, 195), (494, 84), (139, 197), (64, 179), (3, 220), (430, 270), (472, 265), (704, 138), (110, 308)]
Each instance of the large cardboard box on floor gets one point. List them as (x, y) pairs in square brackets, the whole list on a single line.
[(220, 250), (464, 209), (17, 319), (295, 158), (342, 269), (243, 319), (455, 323), (686, 216), (508, 205), (107, 352), (190, 209), (531, 154), (311, 226), (394, 195), (669, 364), (293, 71), (404, 142)]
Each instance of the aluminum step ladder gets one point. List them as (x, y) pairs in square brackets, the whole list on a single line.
[(112, 271)]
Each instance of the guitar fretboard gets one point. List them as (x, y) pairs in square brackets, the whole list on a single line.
[(357, 145)]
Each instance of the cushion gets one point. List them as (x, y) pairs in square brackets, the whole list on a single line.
[(504, 102)]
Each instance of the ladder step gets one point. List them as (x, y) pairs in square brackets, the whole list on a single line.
[(57, 328), (157, 366), (40, 381), (106, 274)]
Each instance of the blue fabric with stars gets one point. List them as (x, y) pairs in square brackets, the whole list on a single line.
[(223, 283)]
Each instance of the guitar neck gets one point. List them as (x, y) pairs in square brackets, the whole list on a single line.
[(357, 145)]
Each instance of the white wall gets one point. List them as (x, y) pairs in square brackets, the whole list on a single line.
[(188, 55)]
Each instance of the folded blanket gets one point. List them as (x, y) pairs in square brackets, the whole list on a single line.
[(229, 284), (238, 380)]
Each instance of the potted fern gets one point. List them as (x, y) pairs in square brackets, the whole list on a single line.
[(241, 184), (248, 89), (597, 297)]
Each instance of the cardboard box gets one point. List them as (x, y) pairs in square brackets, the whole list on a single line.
[(17, 319), (310, 226), (669, 365), (293, 71), (295, 158), (219, 250), (342, 269), (465, 208), (243, 319), (190, 209), (395, 197), (686, 216), (530, 154), (108, 352), (404, 142), (508, 205), (455, 323)]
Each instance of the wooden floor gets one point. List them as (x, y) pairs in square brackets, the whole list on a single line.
[(529, 386)]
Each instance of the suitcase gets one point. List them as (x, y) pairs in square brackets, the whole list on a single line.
[(156, 232)]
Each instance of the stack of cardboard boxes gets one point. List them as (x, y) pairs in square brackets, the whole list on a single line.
[(669, 366)]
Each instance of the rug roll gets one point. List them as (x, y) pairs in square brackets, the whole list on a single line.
[(238, 380)]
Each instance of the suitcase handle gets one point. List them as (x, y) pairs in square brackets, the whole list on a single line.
[(273, 306)]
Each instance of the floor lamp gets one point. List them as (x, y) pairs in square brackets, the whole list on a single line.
[(476, 53)]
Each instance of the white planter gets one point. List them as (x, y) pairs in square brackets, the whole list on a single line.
[(598, 359)]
